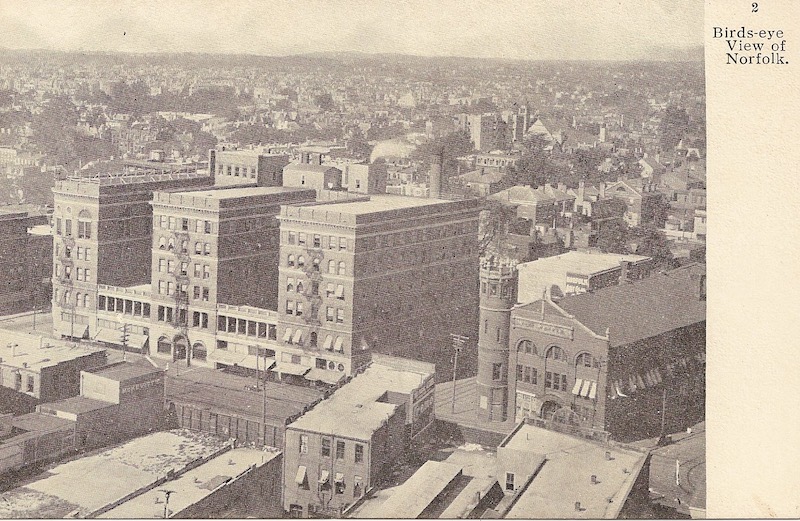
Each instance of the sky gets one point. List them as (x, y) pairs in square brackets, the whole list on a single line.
[(517, 29)]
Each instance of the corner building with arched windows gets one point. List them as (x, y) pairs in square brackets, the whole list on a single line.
[(604, 361)]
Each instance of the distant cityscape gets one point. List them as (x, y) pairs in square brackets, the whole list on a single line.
[(351, 285)]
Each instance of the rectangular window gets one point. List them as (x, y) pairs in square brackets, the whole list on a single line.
[(527, 376), (303, 444), (289, 307), (205, 294), (68, 227), (80, 253), (359, 454), (340, 316), (162, 287), (299, 311), (185, 224), (196, 292), (292, 238), (497, 371), (171, 223), (30, 384), (207, 227), (326, 447), (332, 242), (510, 481), (548, 379), (196, 319), (340, 450), (206, 249), (87, 254), (317, 241), (342, 243), (145, 310), (533, 375), (197, 270), (563, 382), (301, 238), (161, 314), (329, 314)]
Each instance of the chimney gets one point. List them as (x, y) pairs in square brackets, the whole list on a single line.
[(435, 181), (602, 190), (594, 479), (623, 274), (581, 190), (578, 506), (608, 456)]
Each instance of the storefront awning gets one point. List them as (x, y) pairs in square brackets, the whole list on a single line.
[(300, 478), (576, 389), (114, 336), (340, 291), (338, 345), (257, 362), (290, 368), (324, 375), (587, 385), (323, 477), (287, 335), (328, 342), (593, 391), (223, 356)]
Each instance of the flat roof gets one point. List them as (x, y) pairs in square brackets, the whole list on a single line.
[(121, 371), (235, 193), (353, 410), (93, 482), (41, 422), (226, 393), (41, 230), (77, 405), (18, 349), (411, 498), (581, 262), (193, 486), (565, 477), (382, 203)]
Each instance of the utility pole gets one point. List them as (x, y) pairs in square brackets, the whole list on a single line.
[(124, 337), (663, 412), (459, 341)]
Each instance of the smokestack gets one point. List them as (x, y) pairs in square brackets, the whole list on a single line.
[(435, 180), (602, 190)]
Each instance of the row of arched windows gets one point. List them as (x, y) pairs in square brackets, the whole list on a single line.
[(556, 353)]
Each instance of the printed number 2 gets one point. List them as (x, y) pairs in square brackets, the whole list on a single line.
[(755, 7)]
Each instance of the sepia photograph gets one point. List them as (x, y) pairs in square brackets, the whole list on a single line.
[(353, 259)]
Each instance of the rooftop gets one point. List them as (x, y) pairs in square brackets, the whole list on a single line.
[(122, 371), (644, 308), (580, 262), (229, 394), (35, 352), (353, 410), (565, 477), (382, 203), (93, 482), (76, 405), (235, 193), (192, 486)]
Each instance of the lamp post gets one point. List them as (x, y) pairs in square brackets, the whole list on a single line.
[(167, 494)]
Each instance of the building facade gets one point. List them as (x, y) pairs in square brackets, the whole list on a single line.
[(102, 231), (353, 275)]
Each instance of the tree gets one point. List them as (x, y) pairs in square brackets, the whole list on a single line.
[(674, 126), (651, 242), (612, 236), (495, 220)]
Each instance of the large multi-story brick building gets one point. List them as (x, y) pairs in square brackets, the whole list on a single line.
[(382, 275), (26, 252), (213, 247), (102, 230), (356, 274), (601, 360)]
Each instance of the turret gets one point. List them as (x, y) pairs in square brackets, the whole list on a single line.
[(498, 294)]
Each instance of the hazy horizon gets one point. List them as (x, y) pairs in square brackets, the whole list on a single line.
[(626, 30)]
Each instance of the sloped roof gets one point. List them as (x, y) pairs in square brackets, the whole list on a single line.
[(642, 309)]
